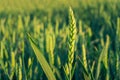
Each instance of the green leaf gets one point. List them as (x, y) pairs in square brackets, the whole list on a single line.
[(85, 71), (103, 58), (44, 64)]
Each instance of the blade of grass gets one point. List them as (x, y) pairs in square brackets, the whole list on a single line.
[(103, 58), (85, 71), (45, 66)]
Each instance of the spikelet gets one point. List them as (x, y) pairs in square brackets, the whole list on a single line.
[(84, 56), (66, 69), (13, 59), (50, 44)]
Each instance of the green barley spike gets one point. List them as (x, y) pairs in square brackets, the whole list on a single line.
[(13, 59), (72, 36), (50, 43), (84, 56), (51, 50)]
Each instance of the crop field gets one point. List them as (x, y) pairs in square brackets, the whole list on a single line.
[(59, 40)]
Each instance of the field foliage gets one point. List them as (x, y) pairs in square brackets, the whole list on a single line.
[(59, 40)]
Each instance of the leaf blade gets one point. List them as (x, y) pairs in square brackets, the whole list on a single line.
[(45, 66)]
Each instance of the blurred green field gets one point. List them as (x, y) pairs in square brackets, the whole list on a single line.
[(87, 48)]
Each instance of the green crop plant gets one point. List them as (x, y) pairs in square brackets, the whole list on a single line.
[(45, 66), (50, 44), (67, 46), (13, 63), (87, 73), (20, 77), (104, 59), (71, 45), (117, 47), (82, 44)]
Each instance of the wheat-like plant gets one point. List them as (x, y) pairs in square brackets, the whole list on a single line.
[(82, 43), (13, 59), (72, 36), (104, 58), (71, 44), (50, 44)]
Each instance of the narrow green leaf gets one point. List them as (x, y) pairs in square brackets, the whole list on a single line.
[(45, 66), (103, 58), (85, 71)]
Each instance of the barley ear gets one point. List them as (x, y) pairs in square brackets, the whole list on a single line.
[(71, 41)]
